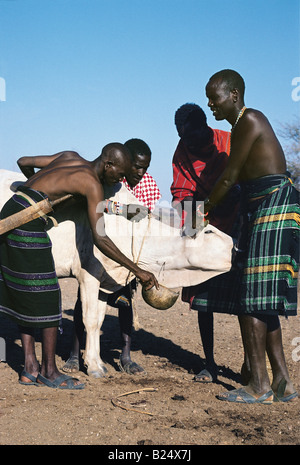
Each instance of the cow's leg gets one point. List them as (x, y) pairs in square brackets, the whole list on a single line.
[(93, 313)]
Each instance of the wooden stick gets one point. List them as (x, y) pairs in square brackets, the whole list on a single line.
[(60, 200), (29, 214), (116, 399)]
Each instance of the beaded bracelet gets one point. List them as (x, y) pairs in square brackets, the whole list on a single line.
[(199, 212), (113, 207)]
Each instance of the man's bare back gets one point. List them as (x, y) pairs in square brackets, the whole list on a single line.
[(61, 174), (69, 173)]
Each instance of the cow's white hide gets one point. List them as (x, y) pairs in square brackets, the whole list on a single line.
[(176, 261)]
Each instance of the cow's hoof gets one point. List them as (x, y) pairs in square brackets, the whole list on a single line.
[(101, 373)]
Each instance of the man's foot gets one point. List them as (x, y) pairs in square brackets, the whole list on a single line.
[(130, 367), (71, 365), (27, 379), (284, 392), (240, 396), (208, 375), (61, 382)]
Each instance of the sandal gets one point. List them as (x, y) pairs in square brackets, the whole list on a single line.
[(130, 367), (32, 382), (279, 394), (206, 376), (240, 396), (71, 365), (57, 383)]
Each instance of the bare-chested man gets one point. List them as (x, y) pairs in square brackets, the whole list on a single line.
[(268, 284), (38, 305)]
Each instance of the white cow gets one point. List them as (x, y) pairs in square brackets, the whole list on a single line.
[(176, 261)]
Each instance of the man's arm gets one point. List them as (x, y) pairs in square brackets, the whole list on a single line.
[(182, 185), (245, 134), (183, 201), (94, 194), (27, 164), (183, 190), (186, 209)]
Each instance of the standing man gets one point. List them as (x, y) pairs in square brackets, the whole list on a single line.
[(268, 284), (142, 185), (199, 160), (30, 292)]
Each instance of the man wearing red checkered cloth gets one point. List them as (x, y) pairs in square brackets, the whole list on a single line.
[(142, 185), (146, 191), (144, 188)]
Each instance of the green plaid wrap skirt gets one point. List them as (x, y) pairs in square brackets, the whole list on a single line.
[(264, 279), (29, 288)]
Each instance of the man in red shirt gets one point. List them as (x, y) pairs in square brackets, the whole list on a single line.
[(199, 160)]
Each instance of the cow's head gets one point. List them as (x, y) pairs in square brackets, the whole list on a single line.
[(211, 249)]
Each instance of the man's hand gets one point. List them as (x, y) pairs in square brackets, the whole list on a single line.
[(132, 212), (147, 279), (136, 212), (188, 230)]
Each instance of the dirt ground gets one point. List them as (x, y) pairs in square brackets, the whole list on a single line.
[(175, 411)]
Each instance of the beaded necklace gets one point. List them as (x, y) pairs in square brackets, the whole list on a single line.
[(238, 117)]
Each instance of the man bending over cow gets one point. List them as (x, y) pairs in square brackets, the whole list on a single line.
[(142, 185), (30, 292)]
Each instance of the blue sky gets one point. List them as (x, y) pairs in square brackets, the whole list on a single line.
[(79, 74)]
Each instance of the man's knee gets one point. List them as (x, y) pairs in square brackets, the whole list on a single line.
[(271, 321)]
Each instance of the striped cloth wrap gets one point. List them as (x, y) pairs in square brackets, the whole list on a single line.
[(29, 289), (264, 278)]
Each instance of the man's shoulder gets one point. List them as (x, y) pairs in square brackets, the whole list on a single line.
[(254, 115), (71, 154), (86, 177), (148, 183), (70, 158), (147, 178), (253, 122)]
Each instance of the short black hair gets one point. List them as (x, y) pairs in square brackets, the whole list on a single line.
[(232, 79), (191, 112), (138, 147), (114, 150)]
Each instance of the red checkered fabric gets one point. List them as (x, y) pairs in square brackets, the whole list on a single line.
[(146, 191)]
